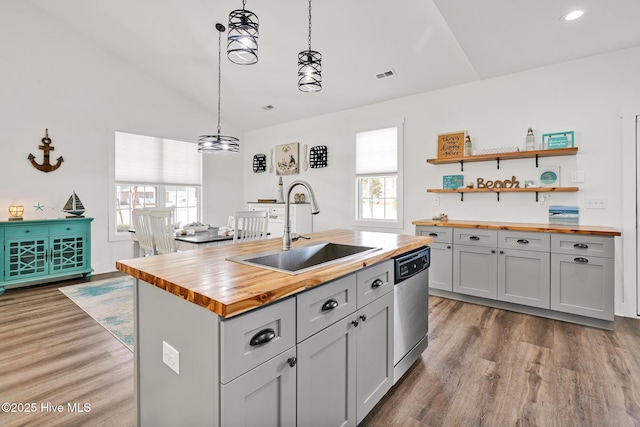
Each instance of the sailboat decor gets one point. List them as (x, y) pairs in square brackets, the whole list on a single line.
[(74, 207)]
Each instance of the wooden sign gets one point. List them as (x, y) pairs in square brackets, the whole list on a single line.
[(451, 144), (507, 183)]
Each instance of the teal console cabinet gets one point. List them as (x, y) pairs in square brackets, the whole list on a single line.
[(38, 251)]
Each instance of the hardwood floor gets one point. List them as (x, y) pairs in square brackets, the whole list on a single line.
[(484, 366)]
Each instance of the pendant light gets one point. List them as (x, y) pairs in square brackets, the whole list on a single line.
[(309, 66), (242, 41), (218, 143)]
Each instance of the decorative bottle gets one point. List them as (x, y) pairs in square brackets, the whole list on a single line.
[(530, 140), (467, 146), (280, 192)]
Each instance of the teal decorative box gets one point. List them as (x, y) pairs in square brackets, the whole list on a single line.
[(555, 140), (452, 182)]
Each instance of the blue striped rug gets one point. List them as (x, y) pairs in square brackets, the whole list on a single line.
[(109, 302)]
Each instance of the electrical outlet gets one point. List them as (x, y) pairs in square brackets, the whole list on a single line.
[(595, 203), (171, 357), (436, 201)]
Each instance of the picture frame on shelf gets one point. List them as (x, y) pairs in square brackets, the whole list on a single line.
[(451, 144), (287, 159), (552, 141), (549, 176), (452, 182)]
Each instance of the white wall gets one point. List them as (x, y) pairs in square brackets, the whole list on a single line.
[(586, 96), (54, 78)]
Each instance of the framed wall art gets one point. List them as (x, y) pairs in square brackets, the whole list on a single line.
[(550, 176), (287, 158)]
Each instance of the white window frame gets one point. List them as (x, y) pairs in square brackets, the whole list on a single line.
[(114, 235), (398, 223)]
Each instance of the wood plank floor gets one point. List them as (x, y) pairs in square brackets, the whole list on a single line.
[(483, 367)]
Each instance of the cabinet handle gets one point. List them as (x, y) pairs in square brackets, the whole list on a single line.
[(68, 228), (363, 317), (27, 231), (474, 238), (581, 246), (448, 246), (355, 323), (580, 259), (377, 283), (329, 305), (501, 252), (523, 241), (433, 234), (292, 361), (262, 337)]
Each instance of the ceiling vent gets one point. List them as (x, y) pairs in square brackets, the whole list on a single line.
[(268, 107), (385, 74)]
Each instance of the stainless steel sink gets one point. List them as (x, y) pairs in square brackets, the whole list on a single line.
[(302, 258)]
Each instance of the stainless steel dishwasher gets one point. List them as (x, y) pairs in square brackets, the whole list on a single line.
[(411, 309)]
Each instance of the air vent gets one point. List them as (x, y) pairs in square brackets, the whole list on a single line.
[(268, 107), (385, 74)]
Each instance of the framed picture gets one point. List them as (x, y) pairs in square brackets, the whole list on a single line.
[(451, 144), (452, 182), (287, 159), (551, 141), (550, 176)]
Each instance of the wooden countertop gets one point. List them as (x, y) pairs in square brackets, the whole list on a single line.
[(517, 226), (228, 288)]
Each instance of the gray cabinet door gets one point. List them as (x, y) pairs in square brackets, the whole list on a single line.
[(374, 343), (475, 271), (264, 396), (327, 377), (441, 268), (582, 285), (523, 277)]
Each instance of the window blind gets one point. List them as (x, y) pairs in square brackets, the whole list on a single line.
[(150, 160), (377, 151)]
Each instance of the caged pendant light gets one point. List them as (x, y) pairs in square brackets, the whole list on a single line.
[(309, 66), (242, 41), (218, 143)]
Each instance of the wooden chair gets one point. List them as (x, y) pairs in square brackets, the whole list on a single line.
[(144, 235), (162, 229), (250, 225)]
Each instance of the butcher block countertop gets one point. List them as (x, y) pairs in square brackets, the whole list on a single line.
[(206, 278), (516, 226)]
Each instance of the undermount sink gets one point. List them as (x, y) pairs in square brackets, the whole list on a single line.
[(302, 258)]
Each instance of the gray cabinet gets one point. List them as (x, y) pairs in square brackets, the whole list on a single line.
[(524, 268), (582, 275), (264, 396), (475, 266), (441, 268)]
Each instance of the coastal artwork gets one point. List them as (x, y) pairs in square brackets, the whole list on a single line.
[(287, 159)]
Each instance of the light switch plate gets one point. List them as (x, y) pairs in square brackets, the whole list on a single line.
[(577, 176), (171, 357)]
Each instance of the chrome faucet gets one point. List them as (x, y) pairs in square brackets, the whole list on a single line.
[(286, 237)]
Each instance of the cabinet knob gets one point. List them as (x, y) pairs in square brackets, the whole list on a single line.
[(292, 361), (581, 246), (363, 317), (27, 231), (355, 323), (377, 283), (580, 259), (493, 251), (448, 246), (501, 252), (329, 305), (262, 337)]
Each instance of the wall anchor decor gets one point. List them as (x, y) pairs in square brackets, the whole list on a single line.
[(46, 166)]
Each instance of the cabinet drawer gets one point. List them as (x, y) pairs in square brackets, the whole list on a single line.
[(374, 281), (26, 231), (338, 298), (438, 234), (573, 244), (475, 237), (241, 352), (67, 228), (530, 241)]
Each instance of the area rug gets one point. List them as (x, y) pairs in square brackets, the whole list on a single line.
[(109, 302)]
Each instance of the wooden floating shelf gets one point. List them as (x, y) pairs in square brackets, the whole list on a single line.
[(504, 156), (536, 190)]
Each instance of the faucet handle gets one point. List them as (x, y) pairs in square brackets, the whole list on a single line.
[(296, 236)]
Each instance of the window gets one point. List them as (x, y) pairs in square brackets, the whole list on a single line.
[(156, 172), (378, 181)]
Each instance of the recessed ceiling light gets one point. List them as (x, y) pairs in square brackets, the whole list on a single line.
[(574, 14)]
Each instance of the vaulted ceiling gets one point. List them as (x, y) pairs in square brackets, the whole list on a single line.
[(430, 44)]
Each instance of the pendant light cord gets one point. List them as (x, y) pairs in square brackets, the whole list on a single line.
[(309, 24), (219, 61)]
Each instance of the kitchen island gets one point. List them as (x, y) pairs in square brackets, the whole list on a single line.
[(223, 343)]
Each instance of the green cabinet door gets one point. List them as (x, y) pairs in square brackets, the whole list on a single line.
[(26, 257)]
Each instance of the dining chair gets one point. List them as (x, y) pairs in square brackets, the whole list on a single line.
[(162, 229), (144, 235), (250, 225)]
